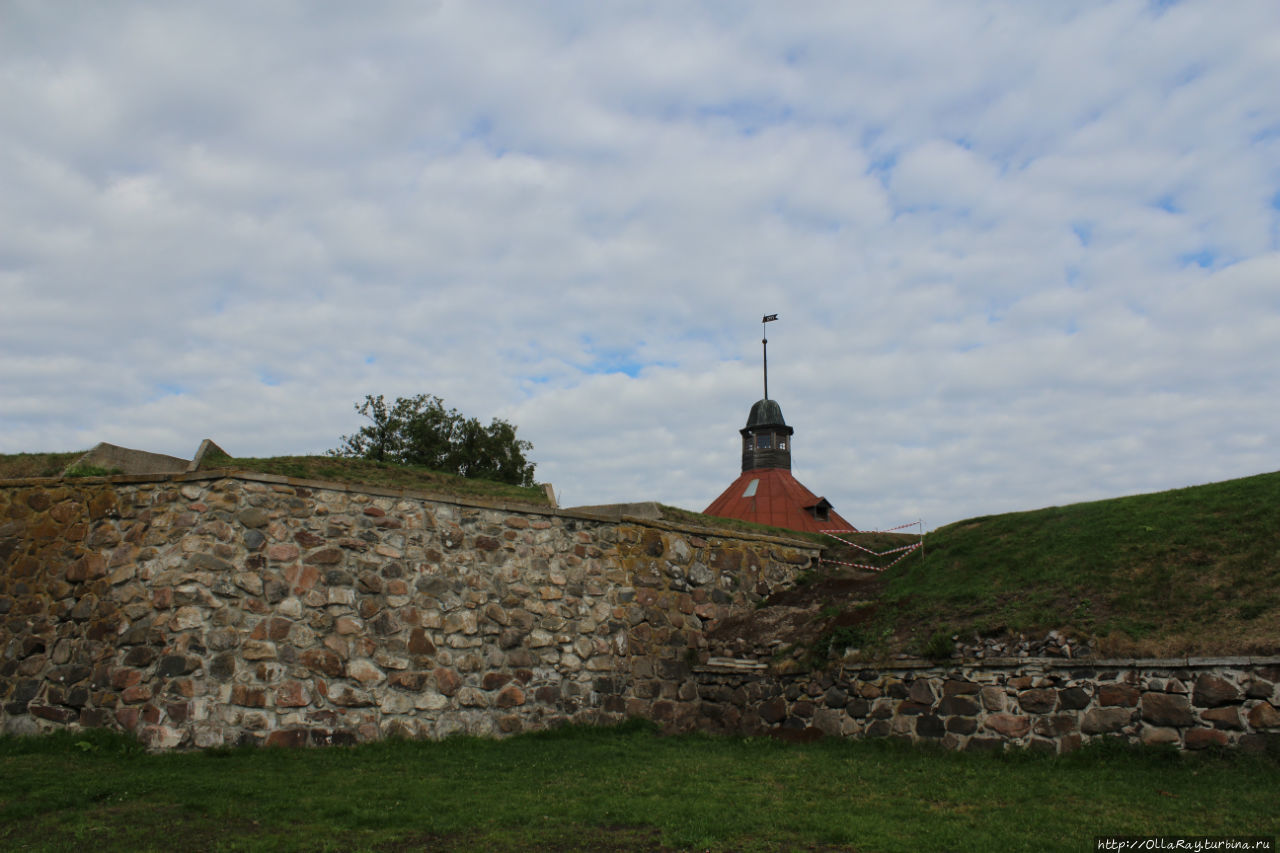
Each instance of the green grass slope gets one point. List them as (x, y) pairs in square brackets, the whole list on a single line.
[(1188, 571), (385, 475), (326, 468), (16, 466)]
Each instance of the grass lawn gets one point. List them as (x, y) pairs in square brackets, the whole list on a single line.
[(383, 474), (18, 465), (616, 789), (1188, 571)]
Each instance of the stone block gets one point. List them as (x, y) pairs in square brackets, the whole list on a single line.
[(258, 650), (1212, 691), (930, 726), (288, 738), (1264, 715), (985, 744), (364, 671), (1008, 725), (349, 697), (292, 694), (878, 728), (773, 711), (1073, 699), (829, 721), (53, 714), (993, 698), (1038, 700), (1166, 709), (1205, 738), (282, 552), (1043, 746), (1121, 695), (1158, 735), (447, 680), (966, 705), (953, 687), (160, 737), (1259, 689), (911, 709), (1227, 717), (1104, 720), (921, 692), (248, 696), (1261, 742), (1055, 725)]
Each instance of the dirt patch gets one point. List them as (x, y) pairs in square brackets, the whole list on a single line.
[(840, 589), (795, 618)]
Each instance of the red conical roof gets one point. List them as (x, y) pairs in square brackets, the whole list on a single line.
[(773, 496)]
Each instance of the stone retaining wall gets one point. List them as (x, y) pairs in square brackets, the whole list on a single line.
[(1049, 705), (209, 609)]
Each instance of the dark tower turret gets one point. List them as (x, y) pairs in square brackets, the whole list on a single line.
[(766, 439)]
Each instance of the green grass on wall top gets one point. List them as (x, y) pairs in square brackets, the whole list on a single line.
[(1194, 570)]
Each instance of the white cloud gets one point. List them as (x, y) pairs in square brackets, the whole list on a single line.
[(1022, 254)]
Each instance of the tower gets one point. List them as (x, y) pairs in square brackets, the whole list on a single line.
[(766, 492), (766, 439)]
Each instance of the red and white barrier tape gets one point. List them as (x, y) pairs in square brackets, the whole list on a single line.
[(875, 553), (905, 549), (908, 550), (890, 530)]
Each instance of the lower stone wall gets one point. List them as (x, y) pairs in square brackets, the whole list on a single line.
[(1047, 705)]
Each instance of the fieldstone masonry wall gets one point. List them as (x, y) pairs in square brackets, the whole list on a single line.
[(202, 610), (206, 609), (1044, 704)]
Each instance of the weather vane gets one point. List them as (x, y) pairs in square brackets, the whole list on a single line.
[(764, 342)]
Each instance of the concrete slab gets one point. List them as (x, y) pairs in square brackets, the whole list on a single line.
[(124, 460), (643, 509), (207, 455)]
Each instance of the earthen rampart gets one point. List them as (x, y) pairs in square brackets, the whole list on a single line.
[(216, 608)]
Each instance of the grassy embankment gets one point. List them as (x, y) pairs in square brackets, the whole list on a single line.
[(326, 468), (14, 466), (1187, 571), (616, 789), (385, 475)]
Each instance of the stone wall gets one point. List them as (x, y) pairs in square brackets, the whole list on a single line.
[(1045, 704), (209, 609)]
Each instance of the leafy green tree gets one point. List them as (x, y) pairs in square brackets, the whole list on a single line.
[(421, 431)]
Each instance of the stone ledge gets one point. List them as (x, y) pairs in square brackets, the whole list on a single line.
[(412, 494), (1063, 663), (716, 664)]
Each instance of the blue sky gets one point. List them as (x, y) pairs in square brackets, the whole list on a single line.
[(1022, 254)]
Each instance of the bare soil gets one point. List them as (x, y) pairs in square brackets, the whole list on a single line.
[(795, 618)]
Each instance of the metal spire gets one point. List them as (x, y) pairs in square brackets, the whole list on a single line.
[(764, 342)]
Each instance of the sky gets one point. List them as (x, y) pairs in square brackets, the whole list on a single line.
[(1022, 254)]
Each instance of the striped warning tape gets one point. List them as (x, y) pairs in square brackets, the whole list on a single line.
[(890, 530), (903, 551), (907, 550), (876, 553)]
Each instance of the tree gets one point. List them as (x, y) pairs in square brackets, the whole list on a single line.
[(420, 431)]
